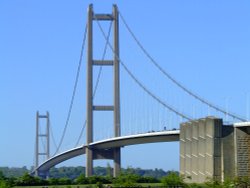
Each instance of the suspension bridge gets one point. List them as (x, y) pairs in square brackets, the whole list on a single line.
[(150, 116)]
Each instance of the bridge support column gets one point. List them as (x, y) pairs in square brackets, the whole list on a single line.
[(89, 162), (117, 162), (117, 151), (89, 132)]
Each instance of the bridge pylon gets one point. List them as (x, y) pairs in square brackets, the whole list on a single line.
[(114, 154), (40, 133)]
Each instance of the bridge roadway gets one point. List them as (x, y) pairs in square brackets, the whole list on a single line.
[(152, 137)]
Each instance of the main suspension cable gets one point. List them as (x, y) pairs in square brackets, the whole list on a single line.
[(52, 135), (74, 91), (97, 82), (81, 133), (157, 65), (103, 56), (138, 82), (34, 157)]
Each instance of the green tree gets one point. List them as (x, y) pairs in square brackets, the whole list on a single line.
[(28, 180), (11, 181), (64, 181), (1, 175), (214, 184), (4, 184), (228, 183), (99, 185), (81, 180), (53, 181), (241, 182), (3, 181), (126, 180), (172, 179), (147, 179)]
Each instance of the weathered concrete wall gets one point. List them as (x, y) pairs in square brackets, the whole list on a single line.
[(242, 141), (228, 152), (194, 151), (200, 149), (209, 149), (182, 149)]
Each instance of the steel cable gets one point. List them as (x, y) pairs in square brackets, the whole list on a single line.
[(74, 91), (97, 82), (174, 80), (138, 82), (52, 135)]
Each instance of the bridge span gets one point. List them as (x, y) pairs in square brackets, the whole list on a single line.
[(122, 141)]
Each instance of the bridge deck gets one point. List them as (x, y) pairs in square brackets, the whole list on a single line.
[(152, 137)]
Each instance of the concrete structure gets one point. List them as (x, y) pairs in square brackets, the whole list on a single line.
[(208, 149), (241, 149), (115, 154), (211, 150), (108, 145), (40, 134)]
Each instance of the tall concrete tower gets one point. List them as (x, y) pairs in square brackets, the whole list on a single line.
[(92, 154), (40, 134)]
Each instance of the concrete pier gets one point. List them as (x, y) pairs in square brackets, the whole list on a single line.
[(211, 150)]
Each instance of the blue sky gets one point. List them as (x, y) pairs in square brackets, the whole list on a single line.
[(203, 44)]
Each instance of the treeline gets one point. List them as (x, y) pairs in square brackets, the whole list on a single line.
[(74, 172), (124, 180), (13, 171)]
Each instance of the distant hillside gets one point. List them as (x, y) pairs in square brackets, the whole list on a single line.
[(73, 172), (13, 171)]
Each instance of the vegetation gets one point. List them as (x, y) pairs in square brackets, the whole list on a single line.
[(237, 182), (3, 182), (13, 172), (173, 179), (74, 172), (127, 179)]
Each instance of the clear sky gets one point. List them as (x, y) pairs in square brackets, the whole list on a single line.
[(203, 44)]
